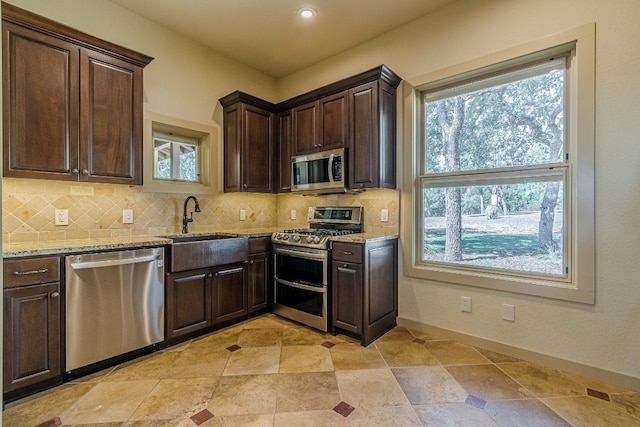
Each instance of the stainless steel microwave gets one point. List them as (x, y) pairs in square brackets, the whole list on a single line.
[(322, 172)]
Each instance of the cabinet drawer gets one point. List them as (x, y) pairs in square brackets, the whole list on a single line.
[(349, 252), (19, 272), (259, 244)]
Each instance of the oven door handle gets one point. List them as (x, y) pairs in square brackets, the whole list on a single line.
[(303, 287), (301, 254)]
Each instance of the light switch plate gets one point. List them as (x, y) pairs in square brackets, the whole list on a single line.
[(127, 216), (243, 214), (61, 217), (384, 215), (294, 214), (465, 304)]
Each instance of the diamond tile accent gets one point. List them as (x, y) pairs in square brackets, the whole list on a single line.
[(344, 409), (234, 348), (327, 344), (475, 401), (202, 417), (419, 341), (598, 394)]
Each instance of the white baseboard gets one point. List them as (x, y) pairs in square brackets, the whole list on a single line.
[(592, 372)]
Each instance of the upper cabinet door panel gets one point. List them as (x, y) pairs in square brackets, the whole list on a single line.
[(363, 157), (305, 128), (110, 132), (258, 149), (334, 121), (40, 105)]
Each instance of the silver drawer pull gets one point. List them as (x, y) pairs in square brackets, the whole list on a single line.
[(347, 253), (24, 273), (55, 294)]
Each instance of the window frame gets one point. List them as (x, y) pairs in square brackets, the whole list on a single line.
[(579, 283)]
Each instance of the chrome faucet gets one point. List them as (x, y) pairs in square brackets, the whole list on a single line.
[(185, 220)]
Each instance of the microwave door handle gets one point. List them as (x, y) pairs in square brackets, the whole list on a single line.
[(330, 166)]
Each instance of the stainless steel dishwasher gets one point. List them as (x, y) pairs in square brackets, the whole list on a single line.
[(114, 304)]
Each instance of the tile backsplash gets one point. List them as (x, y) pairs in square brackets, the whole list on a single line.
[(95, 210)]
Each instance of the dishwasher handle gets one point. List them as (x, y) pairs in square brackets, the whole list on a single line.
[(113, 262)]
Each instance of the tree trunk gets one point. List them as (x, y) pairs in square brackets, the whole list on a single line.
[(451, 133), (548, 207), (453, 245)]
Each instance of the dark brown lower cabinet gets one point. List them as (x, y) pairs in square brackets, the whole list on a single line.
[(188, 302), (260, 279), (364, 288), (32, 326), (229, 292)]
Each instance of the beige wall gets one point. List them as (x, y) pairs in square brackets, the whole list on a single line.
[(605, 335), (185, 81)]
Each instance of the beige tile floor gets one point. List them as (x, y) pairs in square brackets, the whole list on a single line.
[(270, 372)]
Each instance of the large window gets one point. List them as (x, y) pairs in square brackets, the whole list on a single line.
[(502, 155)]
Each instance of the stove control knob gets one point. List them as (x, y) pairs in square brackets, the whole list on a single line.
[(296, 238), (309, 239), (285, 237), (316, 239)]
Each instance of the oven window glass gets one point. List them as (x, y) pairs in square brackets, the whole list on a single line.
[(299, 270), (308, 301)]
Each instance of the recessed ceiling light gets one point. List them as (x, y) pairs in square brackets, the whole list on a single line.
[(307, 13)]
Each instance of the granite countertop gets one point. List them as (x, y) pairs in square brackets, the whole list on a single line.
[(62, 247), (364, 237)]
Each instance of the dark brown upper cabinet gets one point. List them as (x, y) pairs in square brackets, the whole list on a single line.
[(357, 113), (372, 136), (72, 105), (285, 150), (249, 144), (306, 138)]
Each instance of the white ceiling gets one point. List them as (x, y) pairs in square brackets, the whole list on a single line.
[(269, 36)]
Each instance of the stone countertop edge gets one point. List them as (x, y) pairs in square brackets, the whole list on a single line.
[(62, 247), (363, 237)]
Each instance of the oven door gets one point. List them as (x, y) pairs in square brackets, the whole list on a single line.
[(300, 285)]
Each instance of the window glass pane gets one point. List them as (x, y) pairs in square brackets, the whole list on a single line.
[(503, 121), (496, 226), (176, 160)]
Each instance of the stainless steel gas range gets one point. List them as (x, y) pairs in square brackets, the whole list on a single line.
[(302, 279)]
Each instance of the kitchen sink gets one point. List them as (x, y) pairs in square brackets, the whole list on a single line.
[(197, 237), (190, 252)]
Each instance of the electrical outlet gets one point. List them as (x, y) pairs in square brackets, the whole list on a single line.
[(62, 217), (127, 216), (384, 215), (294, 214), (465, 304), (509, 312), (243, 215)]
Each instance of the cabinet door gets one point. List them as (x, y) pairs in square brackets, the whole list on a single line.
[(257, 149), (347, 296), (285, 135), (232, 148), (31, 335), (229, 292), (188, 302), (364, 152), (111, 119), (334, 121), (40, 108), (259, 281), (305, 128)]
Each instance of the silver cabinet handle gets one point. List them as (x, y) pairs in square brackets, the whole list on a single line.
[(209, 275), (85, 171), (24, 273), (75, 170), (347, 253), (55, 294)]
